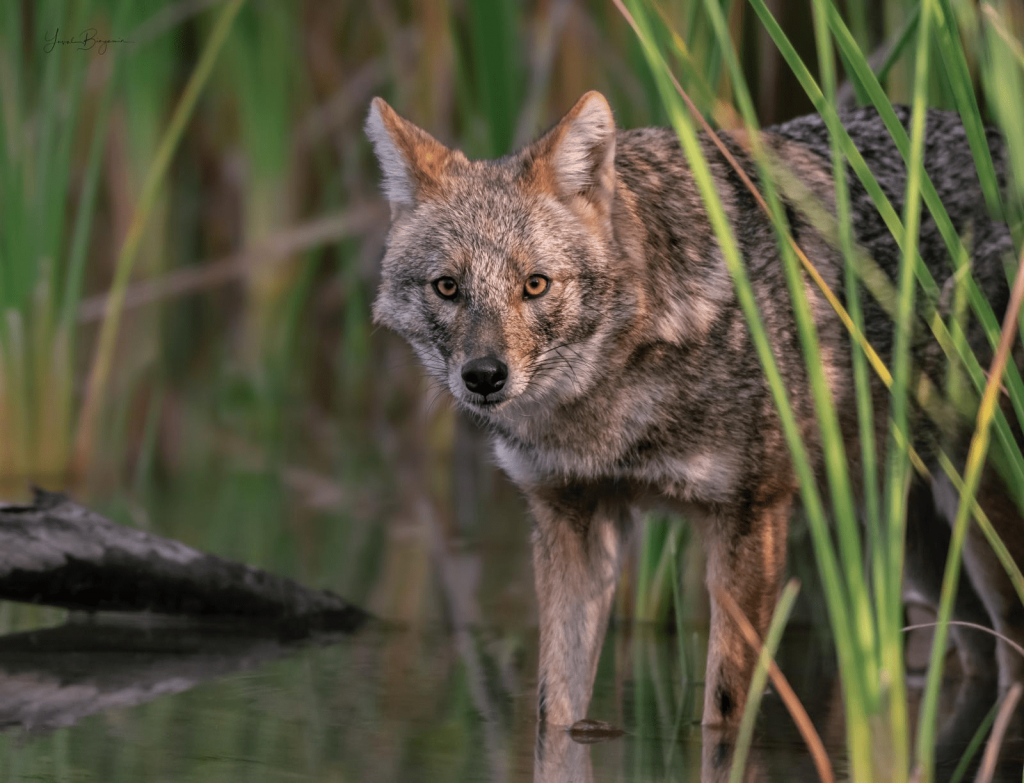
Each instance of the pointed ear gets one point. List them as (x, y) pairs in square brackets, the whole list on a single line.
[(412, 160), (577, 156)]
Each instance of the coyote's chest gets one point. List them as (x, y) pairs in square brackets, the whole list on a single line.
[(698, 475)]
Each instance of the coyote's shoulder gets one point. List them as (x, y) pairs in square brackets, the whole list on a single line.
[(572, 296)]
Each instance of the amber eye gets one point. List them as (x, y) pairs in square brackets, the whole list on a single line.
[(536, 285), (446, 287)]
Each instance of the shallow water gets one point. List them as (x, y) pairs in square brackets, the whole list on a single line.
[(430, 547), (123, 701)]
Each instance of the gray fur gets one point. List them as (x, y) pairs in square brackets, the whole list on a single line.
[(633, 382)]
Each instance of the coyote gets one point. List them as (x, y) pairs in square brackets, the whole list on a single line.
[(573, 298)]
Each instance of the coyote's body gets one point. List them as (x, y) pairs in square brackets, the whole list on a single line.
[(573, 297)]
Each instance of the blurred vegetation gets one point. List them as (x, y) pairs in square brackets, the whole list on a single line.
[(247, 405)]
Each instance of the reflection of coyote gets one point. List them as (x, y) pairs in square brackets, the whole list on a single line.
[(572, 297)]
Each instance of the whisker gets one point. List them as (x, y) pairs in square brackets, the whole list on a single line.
[(437, 396)]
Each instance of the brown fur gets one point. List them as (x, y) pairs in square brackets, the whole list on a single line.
[(632, 382)]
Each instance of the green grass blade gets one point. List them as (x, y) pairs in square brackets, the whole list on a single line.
[(835, 458), (75, 266), (696, 78), (979, 303), (859, 597), (927, 726), (985, 525), (858, 12), (652, 550), (899, 463), (905, 37), (956, 349), (977, 740), (745, 734), (1002, 83), (831, 578), (1002, 80), (716, 49), (498, 68), (959, 76), (842, 497), (108, 333), (982, 309), (46, 137)]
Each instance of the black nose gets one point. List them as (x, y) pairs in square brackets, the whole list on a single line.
[(484, 376)]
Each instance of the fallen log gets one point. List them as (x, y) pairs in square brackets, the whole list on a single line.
[(58, 553)]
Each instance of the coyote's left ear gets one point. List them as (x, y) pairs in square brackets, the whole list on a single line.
[(577, 156), (412, 160)]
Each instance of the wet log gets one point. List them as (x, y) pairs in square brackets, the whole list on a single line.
[(58, 553)]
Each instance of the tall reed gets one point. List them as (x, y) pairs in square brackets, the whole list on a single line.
[(866, 616)]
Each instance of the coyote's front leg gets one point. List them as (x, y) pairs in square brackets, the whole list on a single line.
[(578, 540)]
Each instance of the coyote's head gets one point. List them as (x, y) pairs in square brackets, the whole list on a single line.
[(502, 274)]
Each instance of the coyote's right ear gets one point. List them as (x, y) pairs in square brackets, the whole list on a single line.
[(412, 160)]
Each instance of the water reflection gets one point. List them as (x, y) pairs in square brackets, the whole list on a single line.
[(706, 757), (130, 702), (54, 677)]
